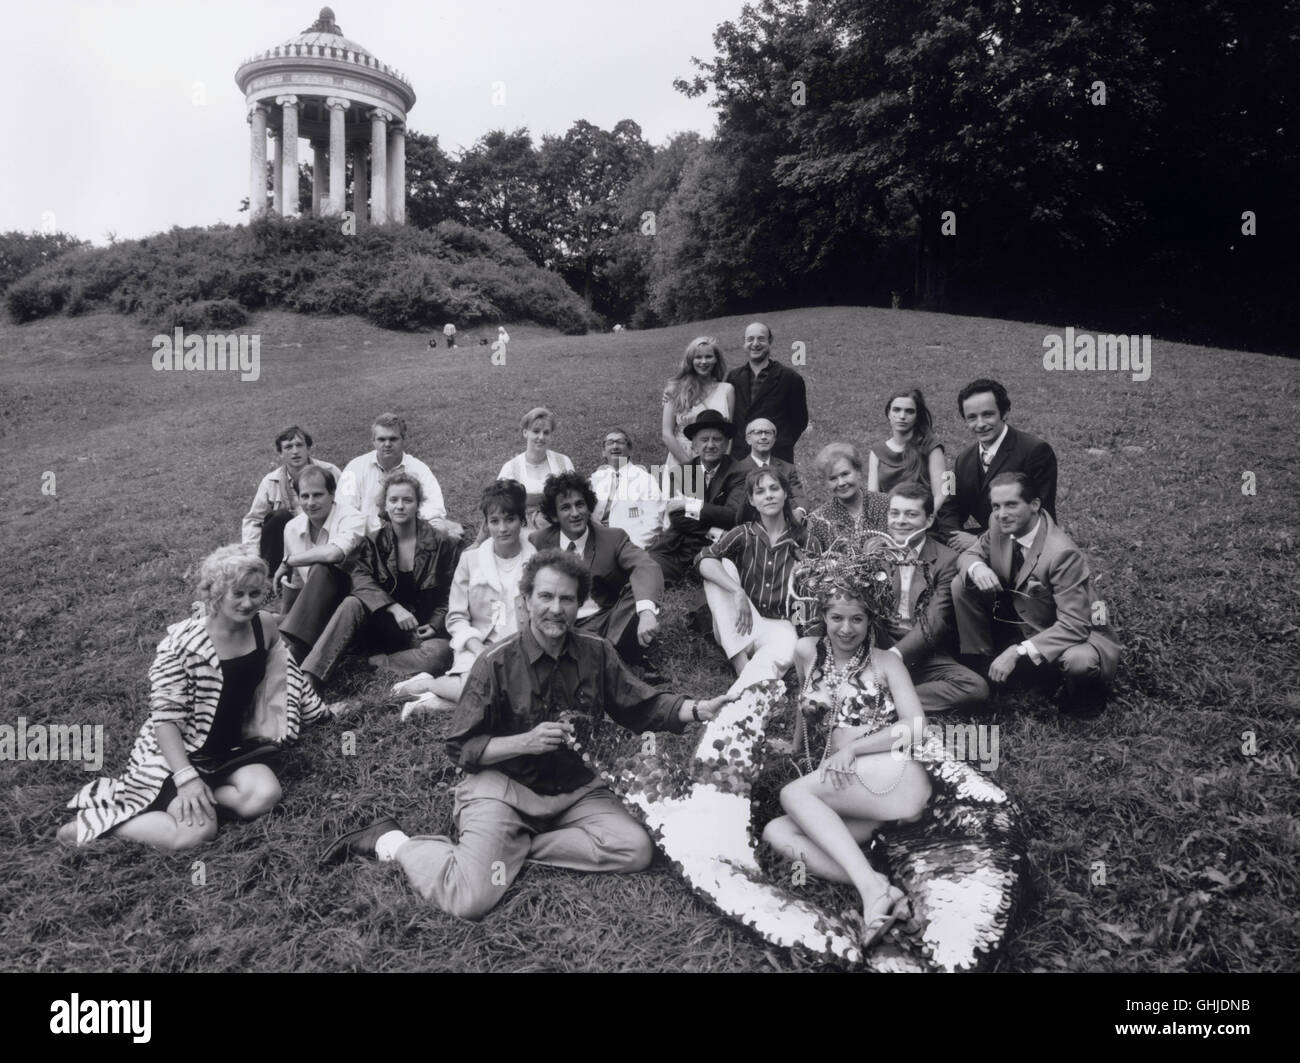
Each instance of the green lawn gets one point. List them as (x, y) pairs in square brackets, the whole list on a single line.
[(152, 470)]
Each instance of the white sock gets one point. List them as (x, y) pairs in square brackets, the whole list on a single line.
[(388, 843)]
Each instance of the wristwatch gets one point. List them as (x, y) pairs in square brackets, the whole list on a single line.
[(1022, 650)]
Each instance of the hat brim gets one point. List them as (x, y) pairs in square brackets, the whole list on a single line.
[(725, 427)]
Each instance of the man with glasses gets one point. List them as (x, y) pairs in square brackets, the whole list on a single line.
[(627, 496)]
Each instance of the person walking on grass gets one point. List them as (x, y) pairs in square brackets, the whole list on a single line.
[(528, 796), (224, 697)]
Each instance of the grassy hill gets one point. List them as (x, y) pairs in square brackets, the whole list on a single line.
[(153, 470)]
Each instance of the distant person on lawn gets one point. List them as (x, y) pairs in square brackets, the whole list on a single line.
[(760, 434), (276, 500), (712, 494), (526, 794), (224, 697), (484, 605), (359, 486), (449, 330), (627, 496), (318, 544), (536, 462), (400, 582), (998, 448), (766, 388), (627, 585), (1024, 601)]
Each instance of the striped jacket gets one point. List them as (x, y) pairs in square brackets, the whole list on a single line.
[(184, 689)]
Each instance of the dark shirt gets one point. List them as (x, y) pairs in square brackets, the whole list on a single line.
[(778, 394), (515, 685)]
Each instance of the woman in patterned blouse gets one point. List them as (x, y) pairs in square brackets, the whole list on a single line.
[(224, 695), (853, 515)]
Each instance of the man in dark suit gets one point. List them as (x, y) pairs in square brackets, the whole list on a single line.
[(760, 434), (1024, 593), (998, 448), (708, 495), (626, 584), (766, 388), (941, 683)]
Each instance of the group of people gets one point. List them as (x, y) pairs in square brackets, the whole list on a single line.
[(907, 592)]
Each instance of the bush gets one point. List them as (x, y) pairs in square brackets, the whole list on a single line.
[(207, 315), (35, 296)]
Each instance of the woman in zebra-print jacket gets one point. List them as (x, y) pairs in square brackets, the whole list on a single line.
[(225, 695)]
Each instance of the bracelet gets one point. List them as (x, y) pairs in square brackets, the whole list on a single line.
[(695, 711), (187, 774)]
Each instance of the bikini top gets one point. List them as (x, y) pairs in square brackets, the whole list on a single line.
[(864, 701)]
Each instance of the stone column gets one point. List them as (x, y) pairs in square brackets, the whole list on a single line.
[(359, 183), (379, 166), (277, 172), (397, 173), (289, 149), (338, 156), (257, 162), (318, 167)]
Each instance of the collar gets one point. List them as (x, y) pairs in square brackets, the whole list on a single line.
[(580, 543), (993, 447), (533, 649), (767, 364), (1026, 541), (374, 461), (761, 464)]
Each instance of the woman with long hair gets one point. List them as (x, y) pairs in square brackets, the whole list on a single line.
[(700, 384), (911, 453)]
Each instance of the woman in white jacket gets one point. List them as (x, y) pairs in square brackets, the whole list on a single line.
[(537, 462), (483, 608)]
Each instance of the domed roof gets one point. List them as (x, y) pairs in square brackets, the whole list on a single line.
[(325, 31)]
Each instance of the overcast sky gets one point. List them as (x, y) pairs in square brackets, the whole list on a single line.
[(108, 135)]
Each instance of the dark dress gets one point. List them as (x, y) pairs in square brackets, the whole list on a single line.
[(892, 468)]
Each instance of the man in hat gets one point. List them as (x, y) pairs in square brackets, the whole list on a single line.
[(708, 495)]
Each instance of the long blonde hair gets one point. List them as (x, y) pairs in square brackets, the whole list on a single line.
[(685, 389)]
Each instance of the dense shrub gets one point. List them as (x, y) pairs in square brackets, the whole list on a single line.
[(398, 277)]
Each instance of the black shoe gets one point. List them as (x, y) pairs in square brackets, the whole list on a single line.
[(1082, 700), (358, 842)]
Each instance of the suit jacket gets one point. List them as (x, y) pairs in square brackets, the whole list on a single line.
[(723, 500), (910, 641), (1019, 452), (781, 397), (1054, 596), (615, 561), (374, 571), (798, 500), (480, 606)]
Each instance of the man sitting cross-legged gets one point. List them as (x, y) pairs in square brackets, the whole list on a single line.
[(276, 500), (1026, 583), (941, 683), (627, 496), (626, 584), (527, 795), (712, 494)]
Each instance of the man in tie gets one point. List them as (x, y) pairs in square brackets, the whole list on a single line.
[(627, 496), (998, 448), (760, 434), (712, 494), (941, 683), (1024, 592), (766, 388), (626, 584)]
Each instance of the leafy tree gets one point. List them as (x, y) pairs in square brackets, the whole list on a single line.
[(497, 186), (20, 253)]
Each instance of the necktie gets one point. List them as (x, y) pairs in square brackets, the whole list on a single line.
[(1017, 558), (603, 518), (986, 459), (572, 548)]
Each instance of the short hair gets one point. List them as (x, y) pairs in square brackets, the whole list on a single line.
[(754, 421), (975, 387), (389, 420), (326, 476), (288, 434), (752, 479), (627, 436), (833, 452), (508, 496), (229, 566), (527, 420), (561, 484), (401, 476), (570, 564), (917, 492), (1028, 492)]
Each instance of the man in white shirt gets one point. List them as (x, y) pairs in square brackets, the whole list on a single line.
[(318, 543), (359, 486), (1024, 593), (276, 500), (627, 496)]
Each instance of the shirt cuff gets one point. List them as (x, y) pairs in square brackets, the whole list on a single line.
[(645, 603), (1032, 650), (694, 507), (978, 564)]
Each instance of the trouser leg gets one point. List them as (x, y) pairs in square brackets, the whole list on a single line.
[(334, 641), (270, 547), (596, 833), (973, 609), (942, 683), (306, 620)]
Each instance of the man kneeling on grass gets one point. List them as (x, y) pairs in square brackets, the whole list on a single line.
[(527, 794)]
